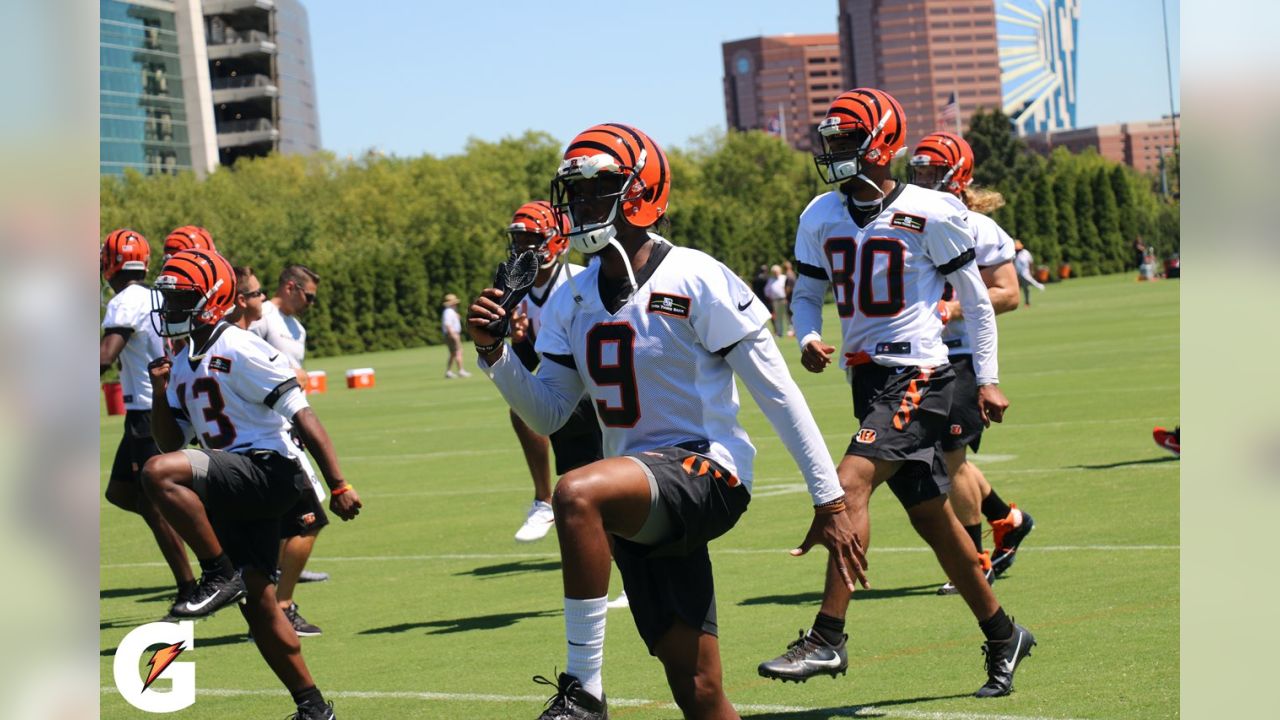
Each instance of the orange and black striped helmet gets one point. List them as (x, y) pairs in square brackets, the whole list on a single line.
[(123, 249), (188, 237), (627, 167), (864, 125), (196, 287), (942, 161), (539, 218)]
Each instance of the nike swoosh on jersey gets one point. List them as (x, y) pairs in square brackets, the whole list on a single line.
[(273, 357), (746, 304)]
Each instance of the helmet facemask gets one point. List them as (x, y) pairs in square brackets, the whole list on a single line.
[(591, 191), (181, 307), (521, 239), (928, 174)]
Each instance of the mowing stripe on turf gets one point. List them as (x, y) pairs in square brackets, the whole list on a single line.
[(725, 551), (847, 711)]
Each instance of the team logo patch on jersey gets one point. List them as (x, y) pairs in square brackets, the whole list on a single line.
[(866, 436), (910, 222), (220, 364), (308, 519), (673, 305), (957, 430)]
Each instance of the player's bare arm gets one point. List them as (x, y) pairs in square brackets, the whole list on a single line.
[(164, 427), (109, 350), (1002, 287), (344, 502)]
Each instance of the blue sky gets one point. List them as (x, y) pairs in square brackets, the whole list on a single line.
[(421, 76)]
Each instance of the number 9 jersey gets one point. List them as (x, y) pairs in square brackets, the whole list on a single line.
[(654, 365), (237, 396), (888, 276)]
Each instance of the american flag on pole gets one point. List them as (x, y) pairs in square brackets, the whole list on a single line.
[(950, 113)]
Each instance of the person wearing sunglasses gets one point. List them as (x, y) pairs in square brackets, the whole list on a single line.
[(281, 327)]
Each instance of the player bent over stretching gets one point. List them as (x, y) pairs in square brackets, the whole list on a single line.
[(654, 335), (227, 497)]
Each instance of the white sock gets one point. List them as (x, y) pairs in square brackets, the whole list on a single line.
[(584, 630)]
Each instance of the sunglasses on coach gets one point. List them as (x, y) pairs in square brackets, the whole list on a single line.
[(253, 294)]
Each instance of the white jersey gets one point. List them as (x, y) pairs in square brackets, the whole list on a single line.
[(993, 247), (130, 312), (238, 396), (889, 276), (652, 367), (282, 332), (536, 300)]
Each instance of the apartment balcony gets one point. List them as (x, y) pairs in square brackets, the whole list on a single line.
[(226, 7), (234, 133), (234, 44), (243, 87)]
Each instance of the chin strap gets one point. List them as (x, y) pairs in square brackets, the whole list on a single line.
[(880, 192), (626, 262)]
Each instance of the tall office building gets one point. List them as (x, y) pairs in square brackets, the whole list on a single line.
[(187, 85), (261, 76), (1038, 62), (924, 53), (1140, 145), (781, 84), (154, 109)]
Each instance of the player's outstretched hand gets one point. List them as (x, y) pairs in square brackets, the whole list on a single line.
[(834, 530), (158, 369), (346, 505), (991, 404), (483, 311), (816, 356)]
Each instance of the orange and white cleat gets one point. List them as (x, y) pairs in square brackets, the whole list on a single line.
[(1170, 440), (1007, 535)]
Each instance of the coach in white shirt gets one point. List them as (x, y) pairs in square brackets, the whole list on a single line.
[(281, 328)]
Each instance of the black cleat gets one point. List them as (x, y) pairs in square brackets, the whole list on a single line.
[(211, 595), (1002, 660), (988, 571), (324, 712), (805, 657), (571, 702), (1007, 539), (307, 576), (300, 624)]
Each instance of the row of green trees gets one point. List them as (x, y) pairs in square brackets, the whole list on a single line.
[(391, 236)]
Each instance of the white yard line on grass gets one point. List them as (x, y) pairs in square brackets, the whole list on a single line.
[(714, 551), (848, 711)]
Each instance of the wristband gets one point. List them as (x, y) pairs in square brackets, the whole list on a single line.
[(348, 487), (486, 349), (835, 507)]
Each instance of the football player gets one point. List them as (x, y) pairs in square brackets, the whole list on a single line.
[(188, 237), (943, 161), (538, 227), (654, 334), (887, 249), (127, 336), (227, 497)]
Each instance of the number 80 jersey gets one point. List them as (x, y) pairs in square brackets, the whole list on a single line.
[(651, 365), (887, 277)]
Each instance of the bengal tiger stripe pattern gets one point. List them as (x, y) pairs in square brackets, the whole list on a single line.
[(123, 249)]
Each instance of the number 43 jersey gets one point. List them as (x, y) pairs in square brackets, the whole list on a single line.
[(651, 365), (888, 276), (238, 396)]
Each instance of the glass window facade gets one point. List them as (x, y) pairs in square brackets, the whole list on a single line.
[(143, 121)]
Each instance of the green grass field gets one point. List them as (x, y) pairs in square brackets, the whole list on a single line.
[(435, 612)]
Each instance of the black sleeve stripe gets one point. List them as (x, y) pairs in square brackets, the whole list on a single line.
[(957, 262), (124, 332), (274, 396), (565, 360), (812, 271), (528, 356), (724, 351)]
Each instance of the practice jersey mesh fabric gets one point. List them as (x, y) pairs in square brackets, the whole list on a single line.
[(888, 277), (993, 247), (652, 367), (130, 310)]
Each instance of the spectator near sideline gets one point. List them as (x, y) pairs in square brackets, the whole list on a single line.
[(1022, 263), (776, 292), (451, 325)]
